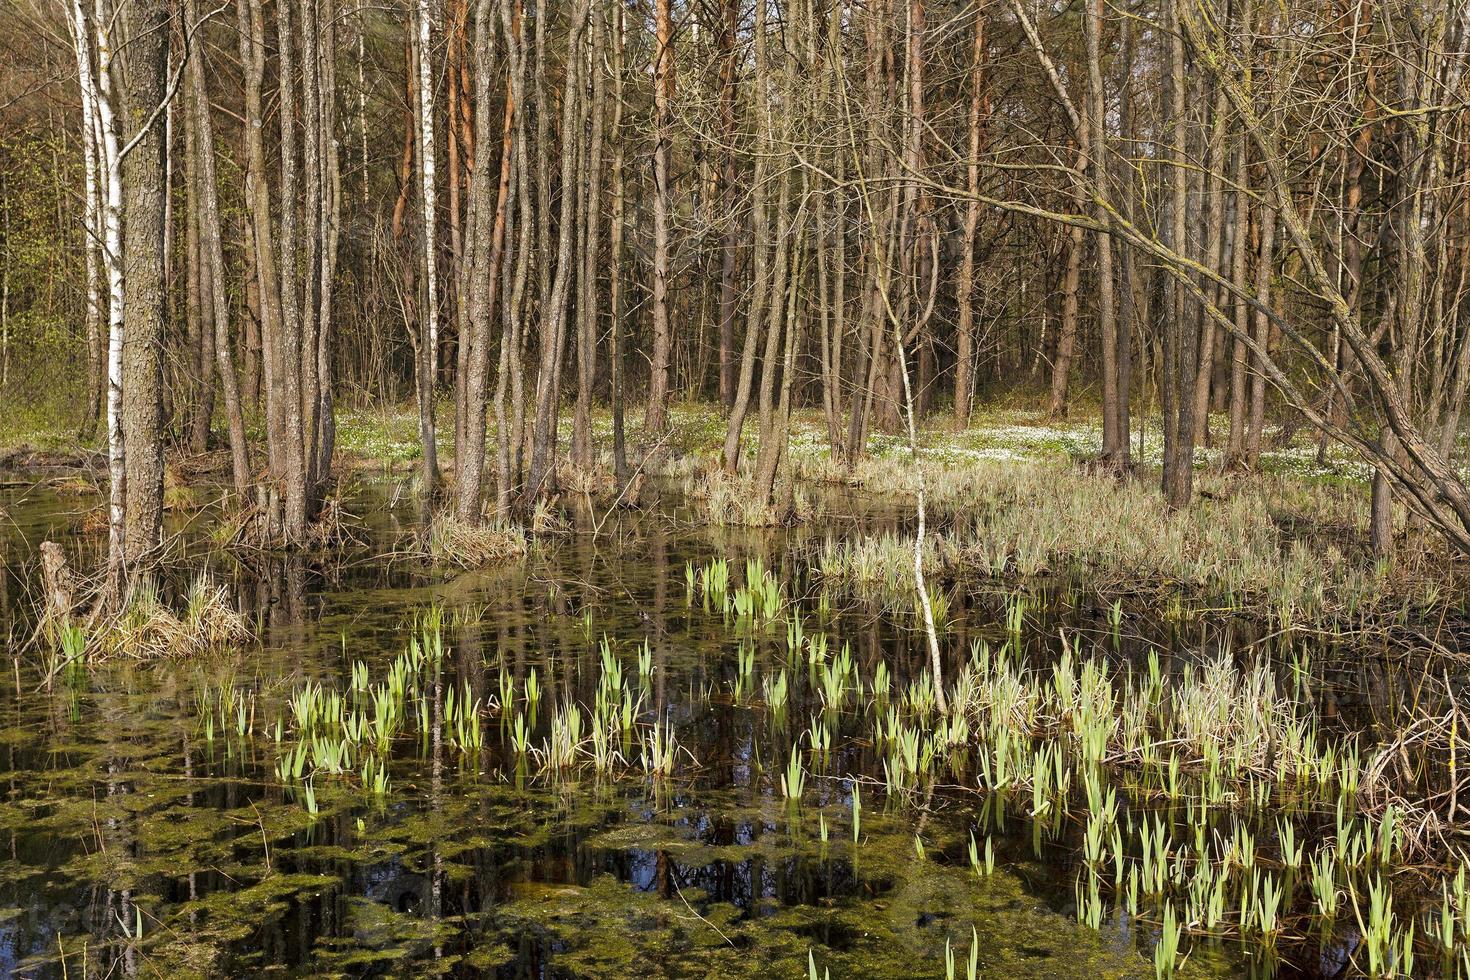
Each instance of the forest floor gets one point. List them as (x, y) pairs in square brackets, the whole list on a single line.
[(389, 436)]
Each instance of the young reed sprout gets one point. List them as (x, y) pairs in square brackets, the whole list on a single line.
[(1166, 951), (645, 663), (659, 751), (793, 780), (533, 692)]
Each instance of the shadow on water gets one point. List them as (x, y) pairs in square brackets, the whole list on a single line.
[(145, 834)]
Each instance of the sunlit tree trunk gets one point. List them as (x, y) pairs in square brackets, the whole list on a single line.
[(964, 377), (428, 353), (145, 24), (483, 263), (554, 317), (587, 301)]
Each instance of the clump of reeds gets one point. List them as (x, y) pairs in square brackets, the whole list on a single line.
[(596, 481), (94, 521), (1266, 544), (147, 627), (730, 500), (546, 518), (885, 561), (75, 486), (452, 541)]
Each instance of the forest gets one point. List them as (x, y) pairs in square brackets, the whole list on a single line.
[(407, 408)]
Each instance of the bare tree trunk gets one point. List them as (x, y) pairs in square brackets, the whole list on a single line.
[(656, 418), (198, 305), (459, 150), (587, 306), (1115, 440), (760, 247), (486, 253), (331, 224), (291, 340), (615, 259), (212, 258), (1239, 265), (1061, 371), (729, 290), (768, 442), (1262, 335), (1214, 249), (1180, 356), (508, 420), (428, 359), (98, 95), (251, 31), (92, 231), (964, 376), (146, 26), (554, 316)]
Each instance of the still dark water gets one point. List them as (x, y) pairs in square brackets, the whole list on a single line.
[(147, 829)]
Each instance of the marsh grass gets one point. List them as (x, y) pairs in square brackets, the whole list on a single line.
[(1195, 796), (451, 541), (884, 562), (1268, 545), (1291, 539), (246, 526), (725, 500), (148, 628)]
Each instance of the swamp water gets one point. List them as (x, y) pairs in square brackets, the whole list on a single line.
[(655, 749)]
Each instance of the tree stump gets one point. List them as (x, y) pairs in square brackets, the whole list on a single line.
[(60, 582)]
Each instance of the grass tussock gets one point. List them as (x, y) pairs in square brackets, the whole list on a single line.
[(731, 500), (148, 628), (94, 520), (885, 561), (179, 494), (76, 486), (451, 541), (596, 482)]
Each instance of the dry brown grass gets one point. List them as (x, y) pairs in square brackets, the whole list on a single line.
[(454, 542), (75, 486), (94, 520), (596, 482), (180, 492), (147, 628), (726, 500)]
